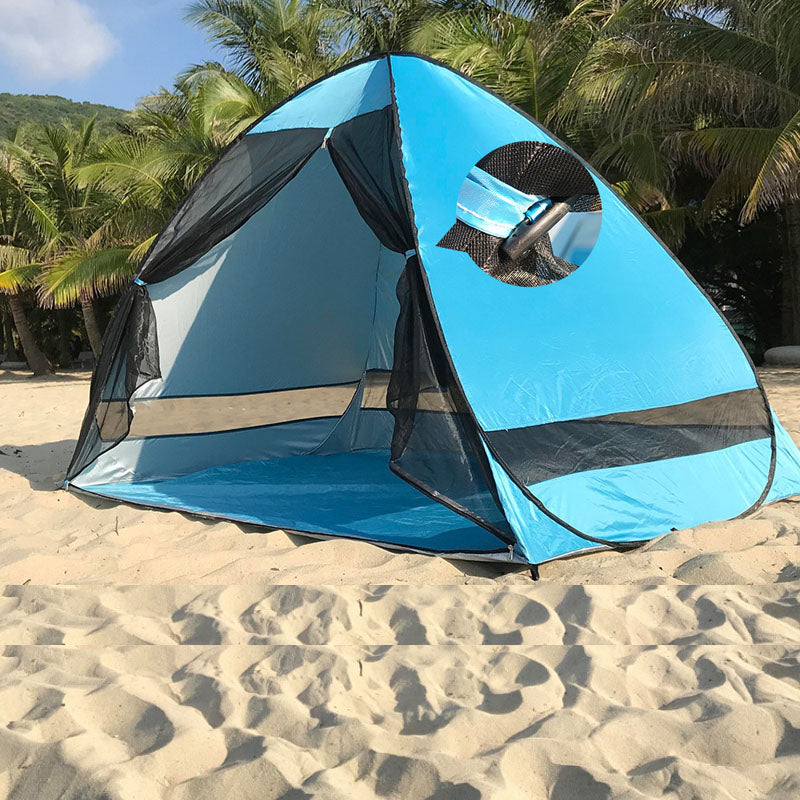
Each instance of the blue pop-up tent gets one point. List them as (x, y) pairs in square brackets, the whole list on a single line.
[(336, 334)]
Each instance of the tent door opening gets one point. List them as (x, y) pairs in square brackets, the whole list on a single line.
[(278, 362)]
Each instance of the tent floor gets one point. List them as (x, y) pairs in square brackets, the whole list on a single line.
[(351, 494)]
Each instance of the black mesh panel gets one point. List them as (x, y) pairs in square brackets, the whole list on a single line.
[(362, 152), (544, 169), (244, 179), (435, 445), (129, 359)]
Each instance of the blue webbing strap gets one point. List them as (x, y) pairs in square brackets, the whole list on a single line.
[(494, 207)]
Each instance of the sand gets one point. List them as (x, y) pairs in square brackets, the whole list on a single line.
[(147, 655)]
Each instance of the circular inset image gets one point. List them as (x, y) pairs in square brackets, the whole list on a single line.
[(528, 214)]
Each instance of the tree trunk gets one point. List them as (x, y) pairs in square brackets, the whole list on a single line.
[(8, 337), (92, 328), (64, 337), (791, 276), (33, 355)]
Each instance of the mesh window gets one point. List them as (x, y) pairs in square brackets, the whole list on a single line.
[(535, 168)]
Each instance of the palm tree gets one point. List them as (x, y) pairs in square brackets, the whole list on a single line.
[(68, 221), (18, 274), (92, 211), (529, 52), (721, 81), (169, 142), (275, 46), (7, 322), (223, 101), (364, 27), (517, 48), (17, 269)]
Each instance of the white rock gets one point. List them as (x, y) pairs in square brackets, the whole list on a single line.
[(788, 356)]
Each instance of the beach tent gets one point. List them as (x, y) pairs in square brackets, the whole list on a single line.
[(330, 336)]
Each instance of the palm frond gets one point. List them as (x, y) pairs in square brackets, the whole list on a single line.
[(18, 271), (778, 180), (84, 274), (670, 224), (140, 251)]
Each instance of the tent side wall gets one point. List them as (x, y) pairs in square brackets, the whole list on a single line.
[(623, 374), (234, 352)]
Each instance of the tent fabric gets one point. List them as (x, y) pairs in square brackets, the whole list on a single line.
[(321, 340), (363, 151), (334, 99), (355, 493)]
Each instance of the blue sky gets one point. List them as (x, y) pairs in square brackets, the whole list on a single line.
[(105, 51)]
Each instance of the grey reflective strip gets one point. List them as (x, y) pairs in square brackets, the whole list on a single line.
[(376, 385), (435, 400), (174, 416), (742, 407)]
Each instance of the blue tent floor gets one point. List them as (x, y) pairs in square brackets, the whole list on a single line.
[(351, 494)]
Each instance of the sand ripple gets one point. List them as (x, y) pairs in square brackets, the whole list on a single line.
[(456, 721), (150, 656)]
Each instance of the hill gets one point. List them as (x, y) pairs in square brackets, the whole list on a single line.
[(16, 109)]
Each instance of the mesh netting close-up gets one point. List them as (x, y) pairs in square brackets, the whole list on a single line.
[(535, 168)]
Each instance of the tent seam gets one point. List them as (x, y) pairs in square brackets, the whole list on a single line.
[(398, 139)]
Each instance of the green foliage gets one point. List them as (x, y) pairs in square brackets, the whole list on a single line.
[(276, 46), (718, 82), (16, 271), (741, 269), (84, 271), (48, 109), (691, 110)]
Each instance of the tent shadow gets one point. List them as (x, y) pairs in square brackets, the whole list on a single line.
[(473, 569), (42, 465)]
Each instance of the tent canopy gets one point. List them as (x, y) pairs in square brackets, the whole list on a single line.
[(329, 337)]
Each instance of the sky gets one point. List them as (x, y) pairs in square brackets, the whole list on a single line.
[(104, 51)]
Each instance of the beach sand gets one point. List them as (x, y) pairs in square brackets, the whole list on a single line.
[(150, 655)]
